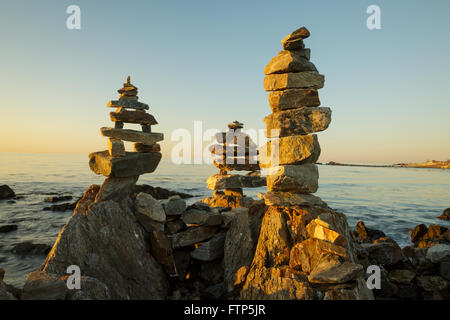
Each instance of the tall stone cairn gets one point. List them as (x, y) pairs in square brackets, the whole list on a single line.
[(305, 249), (235, 151), (116, 162), (290, 154)]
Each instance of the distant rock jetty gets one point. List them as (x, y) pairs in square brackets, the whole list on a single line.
[(433, 164)]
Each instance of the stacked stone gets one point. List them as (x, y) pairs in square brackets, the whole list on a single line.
[(116, 162), (292, 150), (305, 249), (235, 151)]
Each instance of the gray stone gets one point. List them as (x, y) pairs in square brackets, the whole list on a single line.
[(444, 269), (439, 252), (285, 199), (228, 216), (182, 258), (4, 293), (340, 273), (229, 181), (132, 164), (210, 250), (173, 227), (42, 286), (300, 179), (401, 276), (432, 283), (149, 206), (192, 236), (6, 192), (385, 253), (132, 135), (116, 188), (297, 122), (91, 289), (303, 80), (202, 217), (174, 206), (127, 104)]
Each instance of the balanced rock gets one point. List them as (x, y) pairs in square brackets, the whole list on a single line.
[(293, 98), (127, 116), (132, 135), (297, 122), (127, 104), (306, 80), (289, 150), (294, 40), (132, 164), (297, 179), (116, 147), (289, 61), (218, 181)]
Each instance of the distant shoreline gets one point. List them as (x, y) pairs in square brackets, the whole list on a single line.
[(426, 165)]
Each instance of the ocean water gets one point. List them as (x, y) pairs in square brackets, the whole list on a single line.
[(390, 199)]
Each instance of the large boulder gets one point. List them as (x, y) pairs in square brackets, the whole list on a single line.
[(290, 257), (240, 244), (439, 253), (105, 240), (40, 285)]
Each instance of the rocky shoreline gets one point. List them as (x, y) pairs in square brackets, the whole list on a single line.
[(203, 252)]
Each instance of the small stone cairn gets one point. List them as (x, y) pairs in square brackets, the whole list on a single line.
[(116, 162), (235, 151), (292, 150)]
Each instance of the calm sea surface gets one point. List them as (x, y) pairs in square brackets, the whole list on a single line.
[(391, 199)]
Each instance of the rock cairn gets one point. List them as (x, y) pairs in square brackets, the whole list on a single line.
[(116, 162), (234, 151), (290, 154), (305, 249)]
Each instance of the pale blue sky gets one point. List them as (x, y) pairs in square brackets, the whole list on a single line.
[(204, 60)]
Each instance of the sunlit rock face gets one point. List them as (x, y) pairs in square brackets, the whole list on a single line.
[(105, 240)]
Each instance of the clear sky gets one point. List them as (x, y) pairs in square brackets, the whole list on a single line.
[(389, 89)]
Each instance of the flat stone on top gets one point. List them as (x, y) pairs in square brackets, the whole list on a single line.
[(132, 135)]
